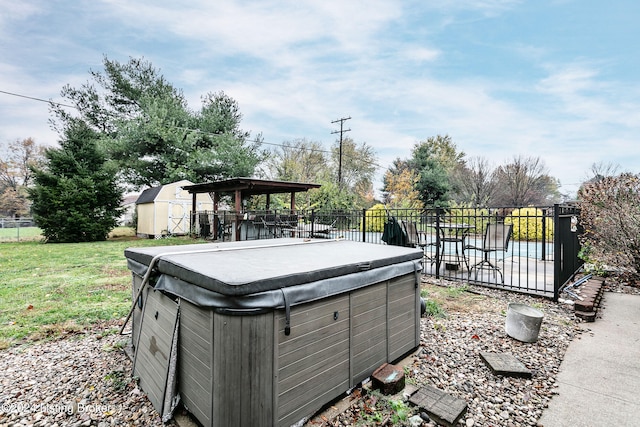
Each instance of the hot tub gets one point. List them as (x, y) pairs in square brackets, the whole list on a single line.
[(266, 333)]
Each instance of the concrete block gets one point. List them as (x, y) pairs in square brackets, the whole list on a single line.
[(389, 379)]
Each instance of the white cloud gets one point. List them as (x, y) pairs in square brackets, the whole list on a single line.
[(398, 68)]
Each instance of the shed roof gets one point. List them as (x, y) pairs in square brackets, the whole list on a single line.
[(148, 195), (250, 186)]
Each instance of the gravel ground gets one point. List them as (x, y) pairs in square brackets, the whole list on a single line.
[(85, 379), (77, 381)]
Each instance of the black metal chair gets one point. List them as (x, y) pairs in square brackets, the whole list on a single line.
[(417, 239), (496, 239), (270, 222)]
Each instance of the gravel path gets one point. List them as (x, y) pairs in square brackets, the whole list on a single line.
[(85, 379)]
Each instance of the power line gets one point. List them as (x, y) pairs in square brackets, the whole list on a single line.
[(213, 134), (37, 99)]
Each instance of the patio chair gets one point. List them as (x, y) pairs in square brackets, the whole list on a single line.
[(496, 239), (270, 223), (417, 239)]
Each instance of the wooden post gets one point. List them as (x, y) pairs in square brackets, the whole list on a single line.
[(192, 226), (216, 220), (238, 214)]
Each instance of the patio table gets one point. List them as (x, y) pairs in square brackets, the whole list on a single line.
[(454, 234)]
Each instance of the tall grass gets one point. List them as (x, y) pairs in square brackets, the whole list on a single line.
[(52, 288)]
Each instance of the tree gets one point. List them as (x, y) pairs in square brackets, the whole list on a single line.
[(145, 125), (434, 161), (475, 182), (400, 189), (601, 170), (330, 197), (75, 197), (358, 168), (15, 174), (300, 160), (525, 182)]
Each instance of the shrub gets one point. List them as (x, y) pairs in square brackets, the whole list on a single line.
[(527, 224), (478, 218), (375, 218), (610, 216)]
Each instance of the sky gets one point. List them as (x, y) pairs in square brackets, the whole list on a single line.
[(554, 79)]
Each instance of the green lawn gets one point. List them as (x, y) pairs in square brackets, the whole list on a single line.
[(48, 289), (23, 233)]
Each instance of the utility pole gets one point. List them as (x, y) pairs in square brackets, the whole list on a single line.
[(341, 131)]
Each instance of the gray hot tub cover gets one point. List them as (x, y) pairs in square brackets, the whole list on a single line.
[(262, 274)]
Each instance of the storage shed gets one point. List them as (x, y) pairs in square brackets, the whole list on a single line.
[(265, 333), (164, 210)]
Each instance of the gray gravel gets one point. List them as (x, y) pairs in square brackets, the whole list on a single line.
[(79, 381), (451, 360)]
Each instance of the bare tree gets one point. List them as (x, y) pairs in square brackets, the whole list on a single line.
[(16, 162), (475, 182), (15, 165), (602, 170), (299, 160), (523, 182), (358, 167)]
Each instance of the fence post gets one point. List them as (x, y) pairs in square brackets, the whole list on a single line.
[(544, 235), (364, 225), (439, 212), (557, 252), (313, 221)]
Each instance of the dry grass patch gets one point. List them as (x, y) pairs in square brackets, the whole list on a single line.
[(456, 298)]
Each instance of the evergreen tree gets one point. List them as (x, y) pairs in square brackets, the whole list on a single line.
[(433, 161), (147, 128), (75, 197)]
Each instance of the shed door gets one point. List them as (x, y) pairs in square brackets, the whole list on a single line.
[(178, 217)]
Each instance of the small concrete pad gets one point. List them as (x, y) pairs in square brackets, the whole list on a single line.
[(389, 379), (444, 408), (505, 364)]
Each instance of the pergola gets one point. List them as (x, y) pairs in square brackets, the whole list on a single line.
[(245, 187)]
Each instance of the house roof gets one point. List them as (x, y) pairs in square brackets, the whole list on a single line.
[(250, 186), (130, 199)]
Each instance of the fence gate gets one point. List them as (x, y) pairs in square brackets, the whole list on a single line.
[(567, 245)]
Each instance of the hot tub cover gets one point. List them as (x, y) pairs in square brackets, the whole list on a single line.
[(259, 273)]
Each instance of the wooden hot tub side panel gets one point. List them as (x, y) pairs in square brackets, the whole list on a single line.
[(368, 331), (195, 360), (153, 351), (313, 361), (403, 317), (242, 370)]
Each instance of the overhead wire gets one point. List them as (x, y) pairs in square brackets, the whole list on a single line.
[(33, 98), (283, 145)]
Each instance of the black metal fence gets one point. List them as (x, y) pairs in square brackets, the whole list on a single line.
[(532, 250)]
